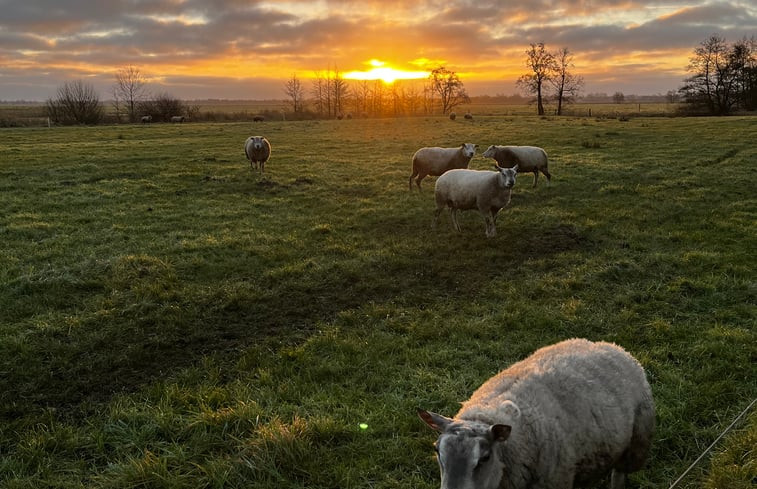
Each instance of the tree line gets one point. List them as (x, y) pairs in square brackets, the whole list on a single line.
[(723, 80)]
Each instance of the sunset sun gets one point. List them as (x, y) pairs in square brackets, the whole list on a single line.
[(381, 71)]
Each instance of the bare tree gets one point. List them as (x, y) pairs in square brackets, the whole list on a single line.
[(76, 102), (296, 93), (339, 91), (447, 84), (131, 86), (565, 84), (542, 66), (618, 97)]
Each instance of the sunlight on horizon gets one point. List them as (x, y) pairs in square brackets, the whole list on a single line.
[(387, 74)]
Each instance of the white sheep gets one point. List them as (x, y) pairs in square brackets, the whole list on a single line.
[(435, 161), (528, 159), (487, 191), (177, 118), (146, 119), (568, 414), (258, 150)]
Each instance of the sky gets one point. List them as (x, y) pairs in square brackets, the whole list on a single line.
[(236, 49)]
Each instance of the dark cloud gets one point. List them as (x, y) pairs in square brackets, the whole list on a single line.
[(233, 40)]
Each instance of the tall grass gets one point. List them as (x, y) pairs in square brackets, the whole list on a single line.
[(169, 318)]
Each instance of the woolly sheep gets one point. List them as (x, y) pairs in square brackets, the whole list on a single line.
[(177, 118), (528, 159), (435, 161), (487, 191), (452, 116), (258, 118), (468, 116), (258, 150), (146, 119), (568, 414)]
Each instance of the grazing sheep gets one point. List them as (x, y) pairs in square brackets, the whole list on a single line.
[(258, 118), (452, 116), (146, 119), (528, 159), (436, 161), (177, 118), (468, 116), (258, 150), (487, 191), (568, 414)]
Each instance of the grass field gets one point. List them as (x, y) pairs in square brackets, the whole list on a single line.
[(170, 319)]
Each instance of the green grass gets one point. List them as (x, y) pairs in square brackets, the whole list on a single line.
[(170, 319)]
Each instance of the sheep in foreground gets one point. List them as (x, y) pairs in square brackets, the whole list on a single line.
[(528, 159), (258, 150), (435, 161), (487, 191), (568, 414)]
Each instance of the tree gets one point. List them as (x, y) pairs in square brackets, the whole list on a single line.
[(339, 93), (618, 97), (724, 77), (296, 93), (131, 87), (76, 102), (162, 107), (565, 84), (447, 84), (542, 66)]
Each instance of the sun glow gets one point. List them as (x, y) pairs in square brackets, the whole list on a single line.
[(387, 74)]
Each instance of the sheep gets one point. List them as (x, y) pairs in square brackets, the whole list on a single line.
[(435, 161), (468, 116), (452, 116), (487, 191), (177, 118), (568, 414), (258, 150), (258, 118), (146, 119), (528, 159)]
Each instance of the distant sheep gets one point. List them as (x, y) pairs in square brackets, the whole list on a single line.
[(468, 116), (146, 119), (528, 159), (568, 414), (177, 118), (487, 191), (258, 118), (452, 116), (258, 150), (435, 161)]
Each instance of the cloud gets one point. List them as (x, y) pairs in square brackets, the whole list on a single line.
[(216, 40)]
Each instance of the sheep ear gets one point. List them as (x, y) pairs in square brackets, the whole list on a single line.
[(434, 421), (500, 432), (515, 168)]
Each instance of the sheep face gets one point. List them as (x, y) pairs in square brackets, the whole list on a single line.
[(257, 143), (467, 451), (490, 152), (469, 149), (507, 176)]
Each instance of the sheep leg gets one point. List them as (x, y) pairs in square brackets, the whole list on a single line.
[(617, 479), (455, 223), (546, 174), (262, 167), (536, 176), (410, 182), (437, 212)]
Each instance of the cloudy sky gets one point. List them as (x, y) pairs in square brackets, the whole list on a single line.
[(246, 49)]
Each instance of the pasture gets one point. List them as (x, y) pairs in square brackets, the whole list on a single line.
[(170, 319)]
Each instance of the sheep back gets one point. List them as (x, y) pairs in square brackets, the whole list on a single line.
[(465, 189), (585, 408)]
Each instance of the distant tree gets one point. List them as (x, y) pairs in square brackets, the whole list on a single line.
[(339, 93), (162, 107), (131, 89), (447, 84), (618, 97), (565, 84), (542, 66), (296, 93), (76, 102)]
